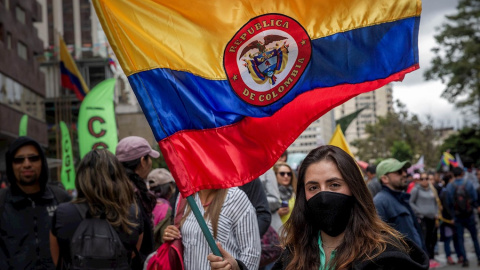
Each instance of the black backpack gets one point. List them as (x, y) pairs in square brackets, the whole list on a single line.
[(461, 201), (96, 245)]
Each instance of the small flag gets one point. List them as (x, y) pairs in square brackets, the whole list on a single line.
[(71, 77), (338, 140)]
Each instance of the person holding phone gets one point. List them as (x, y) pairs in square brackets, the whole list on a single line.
[(287, 182)]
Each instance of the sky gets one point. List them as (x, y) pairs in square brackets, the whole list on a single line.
[(420, 96)]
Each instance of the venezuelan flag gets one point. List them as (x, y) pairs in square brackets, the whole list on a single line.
[(71, 77), (227, 86)]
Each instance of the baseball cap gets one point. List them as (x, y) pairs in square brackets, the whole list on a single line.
[(390, 165), (134, 147), (159, 177)]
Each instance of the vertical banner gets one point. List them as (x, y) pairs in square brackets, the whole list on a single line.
[(97, 127), (68, 169), (22, 130)]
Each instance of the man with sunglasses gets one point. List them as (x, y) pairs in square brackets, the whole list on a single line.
[(392, 202), (26, 208)]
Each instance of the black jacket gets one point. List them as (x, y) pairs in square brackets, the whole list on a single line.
[(25, 220), (392, 259), (258, 198)]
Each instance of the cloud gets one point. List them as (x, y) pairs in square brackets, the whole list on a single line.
[(420, 96)]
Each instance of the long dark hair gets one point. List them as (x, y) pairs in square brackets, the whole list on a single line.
[(148, 200), (102, 184), (366, 235)]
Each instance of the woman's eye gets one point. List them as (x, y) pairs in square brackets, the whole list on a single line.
[(335, 185), (312, 188)]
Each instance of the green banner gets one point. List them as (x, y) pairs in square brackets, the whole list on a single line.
[(97, 127), (68, 169), (22, 130)]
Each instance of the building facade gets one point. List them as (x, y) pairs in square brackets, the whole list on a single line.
[(374, 104), (316, 134), (22, 84)]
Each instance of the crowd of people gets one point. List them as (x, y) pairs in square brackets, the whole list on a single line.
[(327, 215)]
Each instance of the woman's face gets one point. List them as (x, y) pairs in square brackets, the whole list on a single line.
[(284, 176), (324, 176), (424, 180)]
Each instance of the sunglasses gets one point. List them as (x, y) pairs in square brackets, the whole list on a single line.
[(20, 160), (424, 178), (401, 171), (285, 173)]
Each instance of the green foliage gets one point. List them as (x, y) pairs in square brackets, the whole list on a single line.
[(401, 150), (466, 143), (400, 135), (457, 60)]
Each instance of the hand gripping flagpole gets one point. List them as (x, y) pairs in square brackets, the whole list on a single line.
[(203, 226)]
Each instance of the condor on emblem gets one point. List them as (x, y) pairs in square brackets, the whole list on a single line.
[(266, 58)]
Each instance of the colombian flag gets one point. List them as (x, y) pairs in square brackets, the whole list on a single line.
[(227, 86), (71, 77)]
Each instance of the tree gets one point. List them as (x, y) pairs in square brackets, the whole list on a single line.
[(401, 150), (401, 135), (457, 60), (466, 143)]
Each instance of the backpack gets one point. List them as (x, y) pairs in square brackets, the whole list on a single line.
[(462, 202), (96, 245)]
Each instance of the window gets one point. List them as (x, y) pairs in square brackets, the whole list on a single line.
[(22, 50), (9, 41), (20, 14)]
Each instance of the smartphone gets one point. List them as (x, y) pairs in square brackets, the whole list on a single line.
[(284, 203)]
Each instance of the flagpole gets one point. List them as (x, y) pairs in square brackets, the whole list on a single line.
[(203, 226)]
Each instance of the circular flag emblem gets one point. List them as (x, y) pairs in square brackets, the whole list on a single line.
[(266, 58)]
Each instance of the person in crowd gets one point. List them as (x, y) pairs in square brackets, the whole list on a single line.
[(135, 154), (231, 219), (270, 185), (333, 224), (424, 202), (447, 226), (373, 184), (26, 208), (437, 185), (392, 203), (287, 182), (478, 193), (413, 183), (161, 183), (471, 173), (98, 170), (462, 199)]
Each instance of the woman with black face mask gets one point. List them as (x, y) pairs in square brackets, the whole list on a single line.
[(334, 224)]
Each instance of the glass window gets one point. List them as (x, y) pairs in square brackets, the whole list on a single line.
[(9, 41), (22, 50), (20, 14)]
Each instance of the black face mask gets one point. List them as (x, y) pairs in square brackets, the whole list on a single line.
[(329, 212)]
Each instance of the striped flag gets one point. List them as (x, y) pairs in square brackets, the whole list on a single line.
[(227, 86), (71, 77)]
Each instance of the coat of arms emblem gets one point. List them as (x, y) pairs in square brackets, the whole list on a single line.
[(266, 57)]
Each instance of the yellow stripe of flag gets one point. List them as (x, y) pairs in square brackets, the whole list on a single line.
[(192, 35)]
